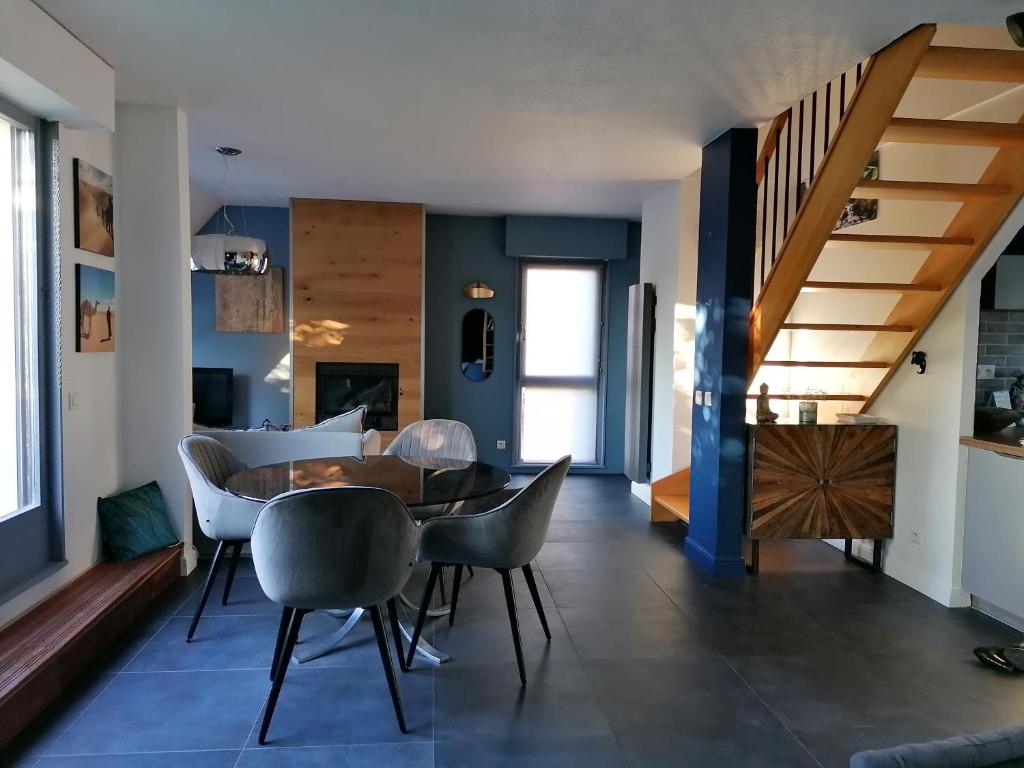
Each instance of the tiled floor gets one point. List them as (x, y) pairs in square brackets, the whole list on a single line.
[(651, 663)]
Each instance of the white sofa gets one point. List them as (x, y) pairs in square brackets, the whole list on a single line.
[(258, 448)]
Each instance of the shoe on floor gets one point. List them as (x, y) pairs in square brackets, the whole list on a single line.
[(993, 657)]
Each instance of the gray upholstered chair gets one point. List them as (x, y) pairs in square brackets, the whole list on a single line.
[(224, 517), (504, 538), (439, 438), (333, 548)]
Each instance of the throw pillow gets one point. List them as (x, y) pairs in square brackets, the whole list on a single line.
[(135, 523)]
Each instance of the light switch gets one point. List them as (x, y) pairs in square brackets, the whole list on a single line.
[(698, 397), (707, 398), (72, 400)]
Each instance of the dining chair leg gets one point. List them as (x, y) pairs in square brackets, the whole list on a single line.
[(389, 667), (510, 601), (218, 556), (532, 584), (236, 553), (396, 633), (441, 586), (428, 593), (282, 633), (470, 569), (282, 669), (455, 595)]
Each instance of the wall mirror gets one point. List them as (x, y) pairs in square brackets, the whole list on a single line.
[(477, 344)]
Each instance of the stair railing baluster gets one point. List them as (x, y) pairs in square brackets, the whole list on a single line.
[(789, 165), (775, 196)]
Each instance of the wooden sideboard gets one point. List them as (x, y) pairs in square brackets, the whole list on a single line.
[(821, 481)]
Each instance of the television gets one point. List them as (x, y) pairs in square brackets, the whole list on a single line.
[(213, 396)]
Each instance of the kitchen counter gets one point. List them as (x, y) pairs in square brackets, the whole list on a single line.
[(1006, 442)]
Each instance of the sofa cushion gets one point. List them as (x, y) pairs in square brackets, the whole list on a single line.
[(135, 523), (352, 421), (1002, 748)]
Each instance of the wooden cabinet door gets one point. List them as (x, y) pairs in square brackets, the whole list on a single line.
[(822, 481)]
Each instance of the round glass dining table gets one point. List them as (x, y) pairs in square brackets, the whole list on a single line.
[(419, 481)]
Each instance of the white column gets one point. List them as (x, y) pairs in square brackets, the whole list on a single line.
[(151, 194)]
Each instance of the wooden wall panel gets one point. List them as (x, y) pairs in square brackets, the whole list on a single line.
[(357, 296), (828, 481)]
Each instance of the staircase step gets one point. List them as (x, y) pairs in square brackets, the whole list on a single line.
[(828, 363), (790, 396), (824, 285), (896, 242), (928, 190), (679, 506), (969, 133), (848, 327), (979, 64)]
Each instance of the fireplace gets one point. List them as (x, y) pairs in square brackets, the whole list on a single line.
[(340, 387)]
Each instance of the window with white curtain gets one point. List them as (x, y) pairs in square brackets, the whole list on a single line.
[(561, 312), (19, 309)]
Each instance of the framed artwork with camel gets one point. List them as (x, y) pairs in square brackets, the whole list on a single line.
[(94, 209)]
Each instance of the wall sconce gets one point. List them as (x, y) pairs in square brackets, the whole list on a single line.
[(478, 290)]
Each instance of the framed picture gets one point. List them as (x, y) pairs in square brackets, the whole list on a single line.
[(95, 309), (250, 303), (94, 209)]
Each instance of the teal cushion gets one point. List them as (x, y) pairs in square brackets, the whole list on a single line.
[(135, 523)]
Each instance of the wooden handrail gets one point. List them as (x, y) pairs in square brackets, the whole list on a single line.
[(770, 145)]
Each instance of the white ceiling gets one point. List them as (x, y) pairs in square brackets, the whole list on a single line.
[(507, 106)]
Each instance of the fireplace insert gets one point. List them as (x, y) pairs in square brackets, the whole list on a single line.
[(340, 387)]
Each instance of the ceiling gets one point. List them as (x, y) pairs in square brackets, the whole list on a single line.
[(503, 106)]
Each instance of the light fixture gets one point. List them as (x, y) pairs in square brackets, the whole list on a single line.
[(1015, 26), (478, 290), (225, 252)]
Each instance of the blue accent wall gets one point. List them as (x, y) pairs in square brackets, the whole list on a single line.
[(462, 249), (566, 237), (252, 355), (725, 283)]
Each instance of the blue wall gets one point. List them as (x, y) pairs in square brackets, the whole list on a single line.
[(461, 249), (251, 355)]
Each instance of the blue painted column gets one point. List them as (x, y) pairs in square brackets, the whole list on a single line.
[(725, 285)]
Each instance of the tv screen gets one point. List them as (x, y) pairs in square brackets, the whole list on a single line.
[(213, 396)]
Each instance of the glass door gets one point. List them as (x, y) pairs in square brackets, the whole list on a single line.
[(560, 367)]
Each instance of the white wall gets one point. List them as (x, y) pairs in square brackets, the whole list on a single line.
[(151, 186), (668, 258), (90, 432)]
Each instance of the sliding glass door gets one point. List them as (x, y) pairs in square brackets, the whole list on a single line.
[(560, 363)]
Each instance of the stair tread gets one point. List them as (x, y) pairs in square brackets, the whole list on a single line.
[(872, 287), (828, 363), (678, 505), (899, 242), (919, 130), (885, 189), (805, 396), (980, 64), (877, 328)]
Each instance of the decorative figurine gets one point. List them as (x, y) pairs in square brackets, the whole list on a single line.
[(1017, 391), (765, 415)]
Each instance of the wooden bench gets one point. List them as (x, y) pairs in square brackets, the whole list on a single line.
[(44, 650)]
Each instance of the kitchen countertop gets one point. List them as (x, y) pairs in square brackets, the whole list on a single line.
[(1007, 442)]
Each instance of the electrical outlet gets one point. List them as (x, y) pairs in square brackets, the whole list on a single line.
[(501, 445), (698, 397), (915, 537), (986, 371)]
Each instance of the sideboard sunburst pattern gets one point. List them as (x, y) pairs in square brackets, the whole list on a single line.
[(822, 482)]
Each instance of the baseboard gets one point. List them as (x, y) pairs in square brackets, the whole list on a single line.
[(642, 491), (997, 613), (717, 566)]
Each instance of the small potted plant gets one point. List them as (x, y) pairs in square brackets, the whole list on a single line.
[(809, 406)]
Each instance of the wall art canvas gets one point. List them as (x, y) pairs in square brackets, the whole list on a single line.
[(96, 309), (857, 210), (250, 303), (94, 209)]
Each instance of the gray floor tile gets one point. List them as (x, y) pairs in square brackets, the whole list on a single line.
[(751, 748), (599, 752), (205, 759), (246, 598), (411, 755)]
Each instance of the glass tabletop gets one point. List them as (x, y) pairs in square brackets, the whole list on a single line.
[(418, 481)]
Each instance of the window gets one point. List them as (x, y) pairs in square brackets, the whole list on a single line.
[(19, 345), (29, 475), (560, 370)]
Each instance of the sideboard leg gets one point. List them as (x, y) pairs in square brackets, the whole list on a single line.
[(876, 557), (754, 566), (848, 549)]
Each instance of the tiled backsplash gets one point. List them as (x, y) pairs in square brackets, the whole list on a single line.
[(1000, 343)]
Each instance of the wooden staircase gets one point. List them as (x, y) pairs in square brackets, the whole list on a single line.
[(867, 121)]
